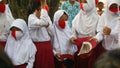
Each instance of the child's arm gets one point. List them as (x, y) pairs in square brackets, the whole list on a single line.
[(31, 58), (43, 4)]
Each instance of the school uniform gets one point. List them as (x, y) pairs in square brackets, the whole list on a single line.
[(21, 51), (61, 39), (40, 36), (109, 19), (84, 26), (6, 19)]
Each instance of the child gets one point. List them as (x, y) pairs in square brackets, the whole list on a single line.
[(6, 19), (108, 26), (19, 46), (39, 23), (100, 8), (84, 27), (61, 41)]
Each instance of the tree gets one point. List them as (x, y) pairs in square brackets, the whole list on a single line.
[(54, 4), (19, 8)]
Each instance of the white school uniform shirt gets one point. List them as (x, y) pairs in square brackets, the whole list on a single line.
[(61, 40), (85, 22), (21, 51), (37, 28), (110, 20), (6, 19)]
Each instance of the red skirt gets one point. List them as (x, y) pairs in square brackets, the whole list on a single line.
[(2, 44), (87, 60), (44, 57), (21, 66)]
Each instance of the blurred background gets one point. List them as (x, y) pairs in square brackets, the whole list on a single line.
[(19, 8)]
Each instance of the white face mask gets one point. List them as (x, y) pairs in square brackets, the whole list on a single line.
[(17, 35), (86, 7)]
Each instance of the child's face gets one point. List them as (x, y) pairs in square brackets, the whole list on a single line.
[(100, 6), (38, 12), (114, 8), (15, 28), (64, 17)]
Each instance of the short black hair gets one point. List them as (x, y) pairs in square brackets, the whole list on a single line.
[(100, 3), (33, 5)]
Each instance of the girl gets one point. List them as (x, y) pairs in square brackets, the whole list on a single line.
[(61, 41), (108, 26), (39, 24), (19, 46), (84, 26), (6, 20)]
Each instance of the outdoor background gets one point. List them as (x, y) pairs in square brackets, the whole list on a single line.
[(19, 8)]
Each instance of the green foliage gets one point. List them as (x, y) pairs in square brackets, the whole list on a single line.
[(19, 8)]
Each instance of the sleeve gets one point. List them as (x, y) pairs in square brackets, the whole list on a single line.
[(119, 33), (115, 33), (34, 22), (100, 25), (32, 57), (74, 34), (54, 52), (9, 15), (99, 37), (74, 22), (44, 13)]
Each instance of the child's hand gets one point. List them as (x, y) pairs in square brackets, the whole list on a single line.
[(106, 30), (58, 55), (73, 40)]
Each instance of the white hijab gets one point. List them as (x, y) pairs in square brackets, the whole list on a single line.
[(6, 20), (61, 41), (107, 16), (22, 50), (110, 20), (85, 22)]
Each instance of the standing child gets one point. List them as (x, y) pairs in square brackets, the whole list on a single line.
[(6, 19), (19, 46), (62, 46), (39, 23), (108, 26), (84, 27)]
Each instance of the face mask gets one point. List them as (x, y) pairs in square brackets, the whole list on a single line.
[(85, 7), (17, 35), (2, 8), (114, 10), (47, 8), (62, 24), (81, 6)]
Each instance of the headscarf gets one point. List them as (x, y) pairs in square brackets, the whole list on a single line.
[(6, 20), (85, 22), (110, 20), (20, 51), (61, 42), (107, 16)]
